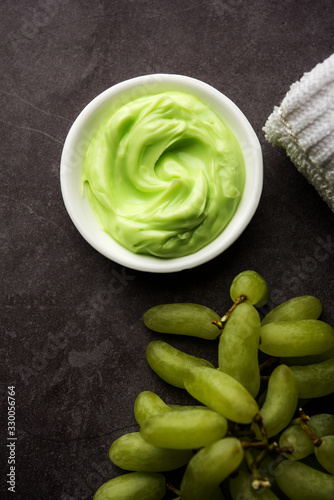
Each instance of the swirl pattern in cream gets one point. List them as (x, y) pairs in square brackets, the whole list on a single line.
[(164, 175)]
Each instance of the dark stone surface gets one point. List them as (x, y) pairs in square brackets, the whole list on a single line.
[(73, 342)]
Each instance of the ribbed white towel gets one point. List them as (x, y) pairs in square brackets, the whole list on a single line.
[(304, 126)]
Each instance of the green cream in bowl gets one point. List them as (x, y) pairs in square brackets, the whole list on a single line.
[(164, 175), (161, 173)]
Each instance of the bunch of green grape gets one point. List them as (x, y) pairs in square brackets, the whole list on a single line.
[(245, 436)]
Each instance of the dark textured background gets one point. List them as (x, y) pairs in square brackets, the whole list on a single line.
[(73, 342)]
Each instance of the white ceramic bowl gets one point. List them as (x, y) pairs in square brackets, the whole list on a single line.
[(81, 132)]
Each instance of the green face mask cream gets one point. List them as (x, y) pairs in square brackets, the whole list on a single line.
[(163, 174)]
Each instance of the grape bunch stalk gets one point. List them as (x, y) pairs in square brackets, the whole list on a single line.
[(238, 440)]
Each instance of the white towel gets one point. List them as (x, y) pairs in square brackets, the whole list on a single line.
[(304, 126)]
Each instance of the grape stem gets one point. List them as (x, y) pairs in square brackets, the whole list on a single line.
[(270, 361), (252, 444), (172, 488), (258, 481), (303, 419), (258, 420), (284, 449), (220, 324)]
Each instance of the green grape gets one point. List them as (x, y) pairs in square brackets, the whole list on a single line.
[(183, 319), (132, 452), (241, 488), (325, 453), (304, 307), (222, 393), (280, 403), (295, 436), (209, 467), (184, 429), (148, 404), (188, 407), (321, 424), (238, 347), (308, 360), (133, 486), (170, 363), (252, 286), (301, 482), (296, 338), (315, 381)]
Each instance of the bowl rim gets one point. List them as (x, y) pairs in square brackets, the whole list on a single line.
[(79, 135)]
